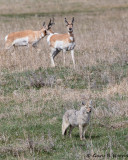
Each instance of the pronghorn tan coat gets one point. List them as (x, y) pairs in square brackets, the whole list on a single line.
[(24, 38), (64, 42)]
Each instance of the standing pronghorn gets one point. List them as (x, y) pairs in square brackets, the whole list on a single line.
[(64, 42), (25, 38)]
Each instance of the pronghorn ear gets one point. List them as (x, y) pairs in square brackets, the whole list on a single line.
[(66, 22), (72, 20), (43, 23)]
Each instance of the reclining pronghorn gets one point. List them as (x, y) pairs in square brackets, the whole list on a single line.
[(58, 42), (25, 38)]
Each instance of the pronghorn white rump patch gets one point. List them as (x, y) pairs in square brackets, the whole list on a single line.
[(6, 38), (21, 41)]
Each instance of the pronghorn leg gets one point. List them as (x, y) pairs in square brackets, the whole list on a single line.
[(30, 48), (73, 59), (15, 48), (54, 52), (6, 50), (52, 60), (36, 49), (7, 46), (64, 52)]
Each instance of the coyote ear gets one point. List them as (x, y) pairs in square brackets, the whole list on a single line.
[(90, 103), (83, 103)]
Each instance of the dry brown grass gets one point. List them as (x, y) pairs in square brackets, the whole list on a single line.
[(101, 31), (30, 6), (99, 38), (92, 45)]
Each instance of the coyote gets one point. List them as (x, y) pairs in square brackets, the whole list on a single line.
[(73, 118)]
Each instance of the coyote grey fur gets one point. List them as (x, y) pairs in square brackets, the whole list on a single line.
[(73, 118)]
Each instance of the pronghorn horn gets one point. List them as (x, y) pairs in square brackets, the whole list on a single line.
[(53, 20), (72, 20), (50, 23), (66, 21), (43, 23)]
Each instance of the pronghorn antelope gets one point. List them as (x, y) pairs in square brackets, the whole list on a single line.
[(25, 38), (79, 118), (64, 42)]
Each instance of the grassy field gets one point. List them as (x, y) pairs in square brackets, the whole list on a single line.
[(34, 96)]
